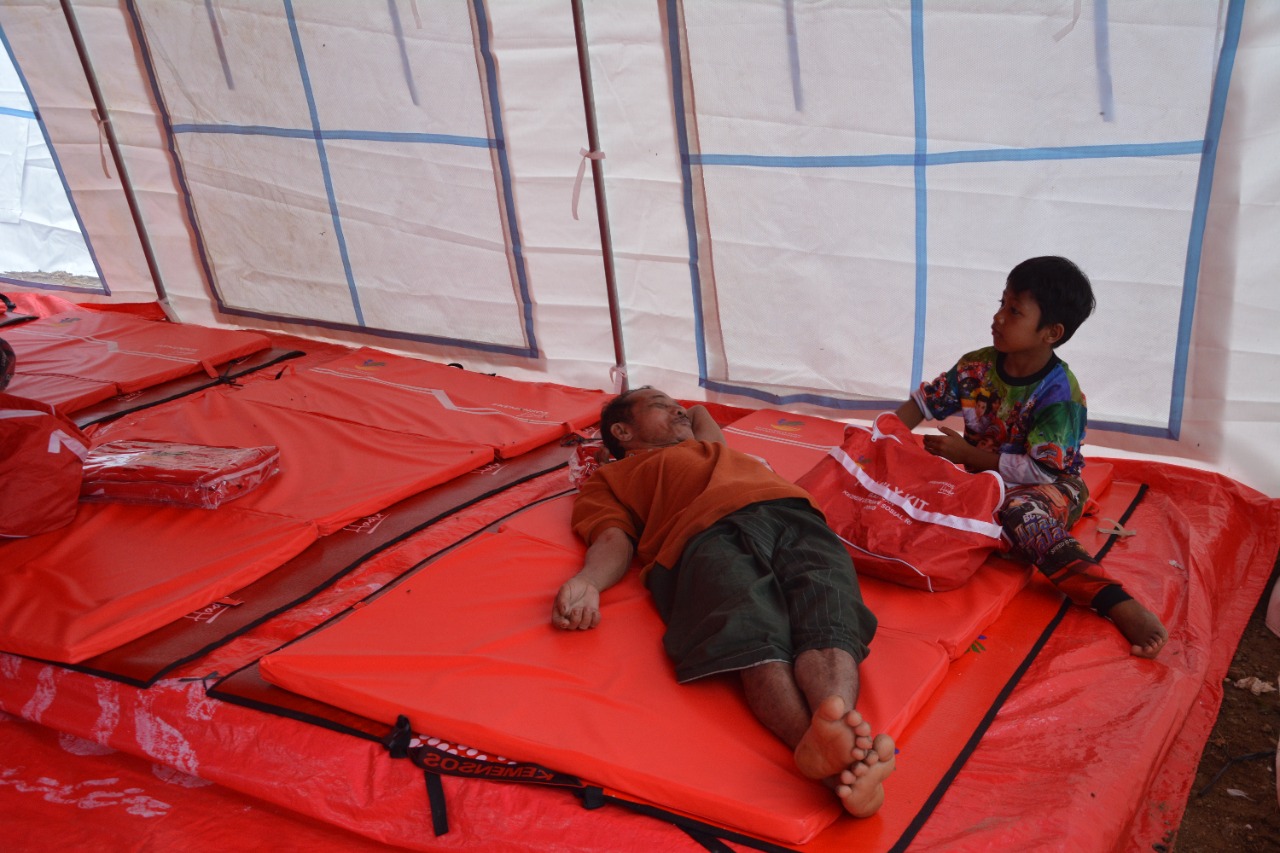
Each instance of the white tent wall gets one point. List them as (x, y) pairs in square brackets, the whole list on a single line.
[(1230, 414)]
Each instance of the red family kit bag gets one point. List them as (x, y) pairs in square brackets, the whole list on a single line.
[(904, 514), (41, 457)]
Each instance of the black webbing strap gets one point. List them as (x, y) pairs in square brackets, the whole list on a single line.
[(708, 842), (435, 798)]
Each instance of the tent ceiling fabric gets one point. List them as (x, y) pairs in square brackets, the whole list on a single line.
[(810, 204)]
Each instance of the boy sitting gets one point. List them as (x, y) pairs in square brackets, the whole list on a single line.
[(1019, 392)]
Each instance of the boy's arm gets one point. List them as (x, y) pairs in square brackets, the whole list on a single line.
[(909, 413), (577, 604), (705, 427)]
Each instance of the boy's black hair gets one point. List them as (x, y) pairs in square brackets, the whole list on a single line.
[(1060, 289), (617, 410)]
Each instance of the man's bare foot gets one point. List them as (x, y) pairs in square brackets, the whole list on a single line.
[(837, 737), (861, 785), (1140, 626)]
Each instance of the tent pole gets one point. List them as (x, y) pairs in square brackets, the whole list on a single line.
[(602, 208), (104, 123)]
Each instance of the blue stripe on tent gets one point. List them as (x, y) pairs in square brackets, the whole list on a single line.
[(793, 58), (810, 398), (10, 111), (1200, 211), (949, 158), (374, 331), (105, 289), (509, 202), (1102, 58), (368, 135), (1131, 429), (324, 162), (686, 185), (922, 192), (398, 30), (215, 33)]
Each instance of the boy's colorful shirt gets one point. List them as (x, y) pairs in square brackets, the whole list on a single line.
[(1042, 416)]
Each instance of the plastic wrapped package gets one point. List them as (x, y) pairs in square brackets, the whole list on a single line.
[(162, 472)]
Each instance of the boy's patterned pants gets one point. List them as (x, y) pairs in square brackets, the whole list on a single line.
[(1037, 520)]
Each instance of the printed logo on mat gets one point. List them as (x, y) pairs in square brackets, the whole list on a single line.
[(784, 425), (370, 364), (448, 759), (366, 525), (209, 612)]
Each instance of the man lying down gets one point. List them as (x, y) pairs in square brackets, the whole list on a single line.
[(747, 577)]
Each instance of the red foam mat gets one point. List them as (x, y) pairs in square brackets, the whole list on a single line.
[(603, 704), (331, 471), (79, 357), (120, 571), (424, 398)]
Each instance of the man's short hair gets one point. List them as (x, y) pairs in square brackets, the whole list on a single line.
[(617, 411), (1060, 289)]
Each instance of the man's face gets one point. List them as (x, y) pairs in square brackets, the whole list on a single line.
[(656, 421)]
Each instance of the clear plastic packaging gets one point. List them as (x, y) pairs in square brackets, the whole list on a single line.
[(163, 472)]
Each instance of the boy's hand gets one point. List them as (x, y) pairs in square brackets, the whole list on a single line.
[(950, 446)]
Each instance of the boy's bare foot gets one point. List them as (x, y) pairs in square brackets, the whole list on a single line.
[(1140, 626), (837, 738), (861, 786)]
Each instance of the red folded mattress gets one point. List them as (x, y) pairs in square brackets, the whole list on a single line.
[(430, 399), (120, 571), (332, 472), (79, 357)]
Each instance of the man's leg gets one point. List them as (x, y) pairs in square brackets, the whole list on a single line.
[(831, 743)]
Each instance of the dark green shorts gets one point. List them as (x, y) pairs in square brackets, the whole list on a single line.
[(762, 584)]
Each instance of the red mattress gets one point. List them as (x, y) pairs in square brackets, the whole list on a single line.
[(429, 399), (80, 357), (603, 705)]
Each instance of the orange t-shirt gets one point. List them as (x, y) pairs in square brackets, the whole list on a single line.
[(662, 498)]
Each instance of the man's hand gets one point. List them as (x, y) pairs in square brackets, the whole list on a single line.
[(577, 605)]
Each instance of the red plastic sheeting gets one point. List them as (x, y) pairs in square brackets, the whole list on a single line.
[(1041, 774), (1086, 714), (59, 792), (423, 398), (80, 357)]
